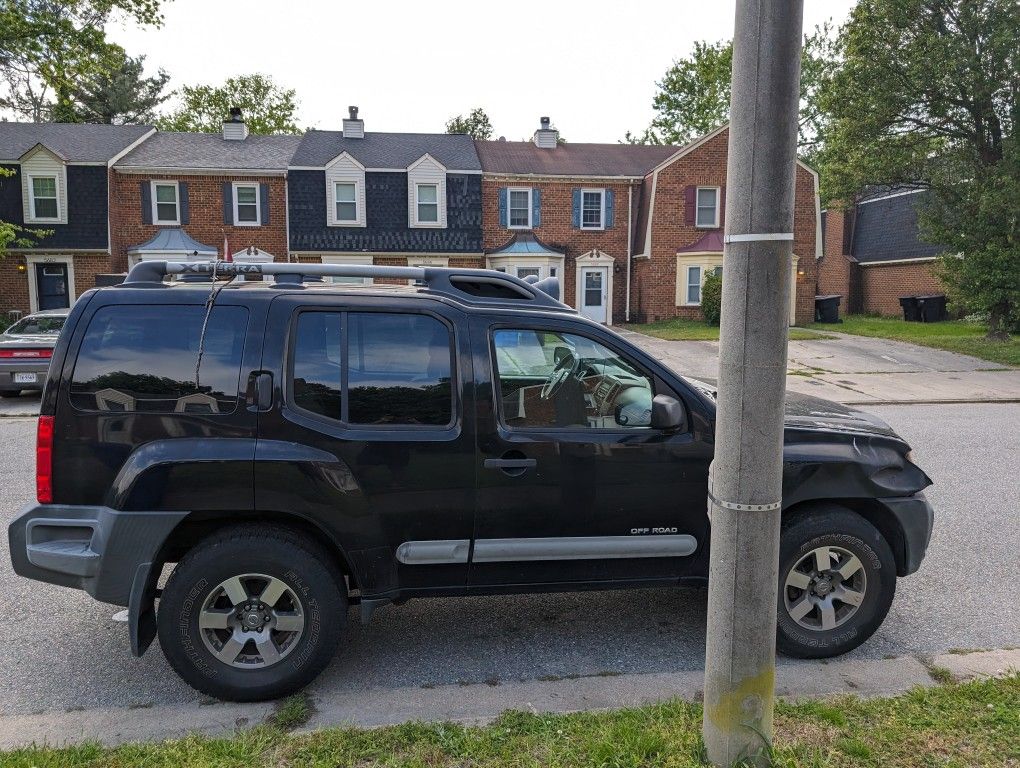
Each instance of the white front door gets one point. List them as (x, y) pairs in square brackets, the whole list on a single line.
[(594, 293)]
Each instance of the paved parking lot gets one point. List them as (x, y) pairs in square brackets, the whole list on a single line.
[(64, 651)]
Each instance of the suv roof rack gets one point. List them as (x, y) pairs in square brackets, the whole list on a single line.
[(475, 286)]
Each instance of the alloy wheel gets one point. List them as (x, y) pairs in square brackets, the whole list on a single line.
[(825, 588)]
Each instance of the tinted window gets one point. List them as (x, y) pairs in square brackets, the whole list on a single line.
[(317, 363), (398, 368), (38, 324), (143, 358), (549, 379)]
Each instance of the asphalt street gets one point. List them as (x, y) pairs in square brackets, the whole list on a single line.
[(63, 651)]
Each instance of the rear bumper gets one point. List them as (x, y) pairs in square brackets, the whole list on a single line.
[(7, 371), (916, 519), (97, 549)]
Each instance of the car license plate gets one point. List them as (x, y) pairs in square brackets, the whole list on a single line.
[(26, 378)]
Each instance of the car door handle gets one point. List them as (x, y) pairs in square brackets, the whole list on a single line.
[(260, 391), (510, 463)]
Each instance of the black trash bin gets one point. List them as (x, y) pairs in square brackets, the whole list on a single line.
[(827, 308), (932, 309), (911, 308)]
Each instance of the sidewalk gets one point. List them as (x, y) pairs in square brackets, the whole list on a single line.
[(858, 370)]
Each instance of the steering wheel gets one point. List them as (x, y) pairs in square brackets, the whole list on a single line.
[(565, 368)]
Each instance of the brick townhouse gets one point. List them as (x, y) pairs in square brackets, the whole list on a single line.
[(584, 212), (60, 182), (189, 196), (360, 197), (874, 254)]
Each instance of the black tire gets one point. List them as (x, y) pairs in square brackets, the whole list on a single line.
[(300, 564), (846, 532), (10, 392)]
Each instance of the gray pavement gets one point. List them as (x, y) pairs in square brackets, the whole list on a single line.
[(63, 651)]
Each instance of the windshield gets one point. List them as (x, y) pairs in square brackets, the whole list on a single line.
[(37, 324)]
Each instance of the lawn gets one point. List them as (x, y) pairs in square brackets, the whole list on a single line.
[(678, 329), (953, 335), (971, 724)]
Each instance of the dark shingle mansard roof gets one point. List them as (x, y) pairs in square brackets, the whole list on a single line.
[(886, 228), (75, 142), (604, 160), (210, 151), (387, 150)]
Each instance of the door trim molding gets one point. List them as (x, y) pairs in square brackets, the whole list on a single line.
[(33, 292), (582, 548), (435, 552)]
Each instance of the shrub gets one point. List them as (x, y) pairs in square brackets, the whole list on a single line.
[(711, 298)]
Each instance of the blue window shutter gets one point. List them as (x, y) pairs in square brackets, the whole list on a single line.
[(609, 208), (228, 203), (185, 215), (146, 202), (502, 207), (575, 213), (536, 207), (264, 204)]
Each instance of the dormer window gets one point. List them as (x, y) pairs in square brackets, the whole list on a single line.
[(707, 214), (44, 198), (428, 203), (346, 197)]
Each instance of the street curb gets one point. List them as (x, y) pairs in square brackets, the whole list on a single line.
[(481, 703)]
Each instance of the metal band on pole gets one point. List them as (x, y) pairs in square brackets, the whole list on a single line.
[(746, 507), (758, 237)]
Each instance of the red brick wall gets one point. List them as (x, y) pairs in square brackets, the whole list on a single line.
[(205, 206), (655, 278), (557, 230), (882, 285), (14, 283)]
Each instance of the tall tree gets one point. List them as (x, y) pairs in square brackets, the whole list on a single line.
[(476, 124), (693, 97), (928, 95), (267, 108), (121, 96), (48, 47)]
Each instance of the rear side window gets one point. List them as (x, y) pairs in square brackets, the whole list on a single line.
[(398, 368), (143, 359)]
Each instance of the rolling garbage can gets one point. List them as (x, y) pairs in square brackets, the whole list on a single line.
[(932, 309), (827, 309), (911, 308)]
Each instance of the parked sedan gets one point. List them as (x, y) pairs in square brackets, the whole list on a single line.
[(25, 351)]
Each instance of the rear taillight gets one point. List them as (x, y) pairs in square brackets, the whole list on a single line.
[(31, 354), (44, 461)]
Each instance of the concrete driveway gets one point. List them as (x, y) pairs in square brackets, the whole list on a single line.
[(860, 370)]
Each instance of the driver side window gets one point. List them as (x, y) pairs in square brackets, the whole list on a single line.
[(551, 379)]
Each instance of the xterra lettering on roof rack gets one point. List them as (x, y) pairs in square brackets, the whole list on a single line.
[(473, 286)]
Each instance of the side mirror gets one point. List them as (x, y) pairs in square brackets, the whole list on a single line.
[(667, 413)]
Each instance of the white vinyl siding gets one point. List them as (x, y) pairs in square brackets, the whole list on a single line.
[(166, 202), (518, 208), (426, 193), (345, 171), (707, 207), (38, 171), (247, 205)]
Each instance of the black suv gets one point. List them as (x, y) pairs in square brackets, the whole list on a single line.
[(305, 444)]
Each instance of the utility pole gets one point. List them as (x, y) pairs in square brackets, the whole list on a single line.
[(745, 481)]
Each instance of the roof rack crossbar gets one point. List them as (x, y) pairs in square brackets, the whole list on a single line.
[(438, 279)]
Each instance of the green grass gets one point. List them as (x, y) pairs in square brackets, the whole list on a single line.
[(679, 329), (971, 724), (953, 335)]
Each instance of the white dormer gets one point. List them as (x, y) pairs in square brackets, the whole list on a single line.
[(426, 193), (345, 192), (353, 127), (43, 186)]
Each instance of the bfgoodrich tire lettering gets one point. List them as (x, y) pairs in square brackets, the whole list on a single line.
[(198, 615), (813, 622)]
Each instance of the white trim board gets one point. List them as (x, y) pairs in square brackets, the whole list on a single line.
[(890, 197), (918, 260)]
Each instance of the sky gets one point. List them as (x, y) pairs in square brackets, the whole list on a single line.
[(591, 66)]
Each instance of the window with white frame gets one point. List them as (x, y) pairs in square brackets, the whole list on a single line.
[(246, 205), (525, 272), (345, 195), (427, 200), (693, 292), (44, 197), (592, 208), (519, 208), (707, 215), (166, 207)]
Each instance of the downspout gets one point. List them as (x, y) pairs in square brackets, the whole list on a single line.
[(286, 211), (630, 245)]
